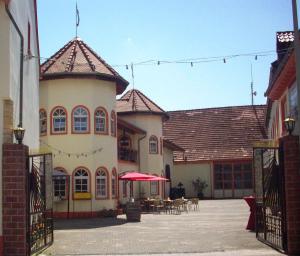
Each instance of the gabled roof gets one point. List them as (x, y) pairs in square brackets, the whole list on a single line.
[(225, 133), (77, 59), (135, 101)]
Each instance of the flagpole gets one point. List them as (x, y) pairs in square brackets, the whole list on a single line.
[(76, 11)]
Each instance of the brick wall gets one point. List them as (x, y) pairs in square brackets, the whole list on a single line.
[(14, 176), (292, 192)]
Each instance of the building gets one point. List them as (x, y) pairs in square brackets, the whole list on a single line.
[(148, 144), (218, 148), (78, 123), (282, 90), (19, 72), (95, 138)]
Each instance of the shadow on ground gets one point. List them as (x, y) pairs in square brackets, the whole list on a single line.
[(66, 224)]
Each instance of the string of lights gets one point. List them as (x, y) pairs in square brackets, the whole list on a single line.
[(190, 61), (57, 152)]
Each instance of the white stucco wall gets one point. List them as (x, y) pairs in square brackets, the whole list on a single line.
[(149, 163), (187, 172), (91, 94), (23, 12)]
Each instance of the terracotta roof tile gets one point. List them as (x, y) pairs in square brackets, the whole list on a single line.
[(135, 101), (77, 58), (216, 133)]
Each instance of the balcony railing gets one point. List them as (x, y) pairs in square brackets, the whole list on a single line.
[(127, 155)]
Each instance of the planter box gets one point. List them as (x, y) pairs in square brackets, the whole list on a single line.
[(133, 211)]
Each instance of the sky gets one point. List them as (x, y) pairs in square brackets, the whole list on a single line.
[(133, 31)]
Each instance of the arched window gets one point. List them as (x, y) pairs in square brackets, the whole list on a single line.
[(100, 121), (154, 187), (59, 120), (43, 122), (114, 184), (113, 123), (101, 183), (80, 120), (153, 145), (81, 181)]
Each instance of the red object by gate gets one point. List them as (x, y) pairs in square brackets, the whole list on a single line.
[(251, 222)]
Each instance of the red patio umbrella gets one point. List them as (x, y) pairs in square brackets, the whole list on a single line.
[(135, 176)]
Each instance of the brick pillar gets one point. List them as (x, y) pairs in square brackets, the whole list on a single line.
[(291, 154), (14, 176)]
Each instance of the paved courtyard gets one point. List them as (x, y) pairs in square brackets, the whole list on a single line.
[(217, 228)]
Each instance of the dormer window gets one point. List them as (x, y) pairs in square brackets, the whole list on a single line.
[(153, 145)]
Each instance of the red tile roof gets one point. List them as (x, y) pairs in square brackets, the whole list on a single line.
[(216, 133), (135, 101), (77, 59)]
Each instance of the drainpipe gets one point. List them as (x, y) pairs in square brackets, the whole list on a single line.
[(139, 149), (21, 64)]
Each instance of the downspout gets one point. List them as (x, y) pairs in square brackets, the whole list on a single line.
[(21, 64), (139, 149)]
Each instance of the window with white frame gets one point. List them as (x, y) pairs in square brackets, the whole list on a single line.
[(100, 121), (114, 183), (153, 145), (59, 120), (80, 120), (101, 184), (81, 181), (154, 187), (43, 122)]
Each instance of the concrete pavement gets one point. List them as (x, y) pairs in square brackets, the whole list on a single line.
[(216, 229)]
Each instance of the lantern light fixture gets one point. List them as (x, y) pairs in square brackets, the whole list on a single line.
[(19, 134), (289, 124)]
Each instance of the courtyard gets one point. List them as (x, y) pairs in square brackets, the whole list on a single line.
[(216, 228)]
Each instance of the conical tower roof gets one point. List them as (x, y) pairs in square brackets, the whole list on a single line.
[(135, 101), (77, 59)]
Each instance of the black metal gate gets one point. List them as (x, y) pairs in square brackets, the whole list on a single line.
[(40, 199), (269, 190)]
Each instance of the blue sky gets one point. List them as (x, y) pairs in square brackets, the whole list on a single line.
[(122, 32)]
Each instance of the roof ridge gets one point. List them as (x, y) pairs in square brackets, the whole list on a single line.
[(71, 58), (92, 66), (239, 106), (50, 61)]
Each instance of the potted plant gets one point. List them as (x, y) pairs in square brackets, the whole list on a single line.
[(199, 186)]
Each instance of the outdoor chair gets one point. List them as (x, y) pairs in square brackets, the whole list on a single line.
[(195, 203), (176, 206), (157, 206), (168, 206)]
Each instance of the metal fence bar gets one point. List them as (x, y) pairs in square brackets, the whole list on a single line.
[(40, 215), (270, 209)]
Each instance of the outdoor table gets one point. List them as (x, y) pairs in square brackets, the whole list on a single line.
[(251, 221)]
